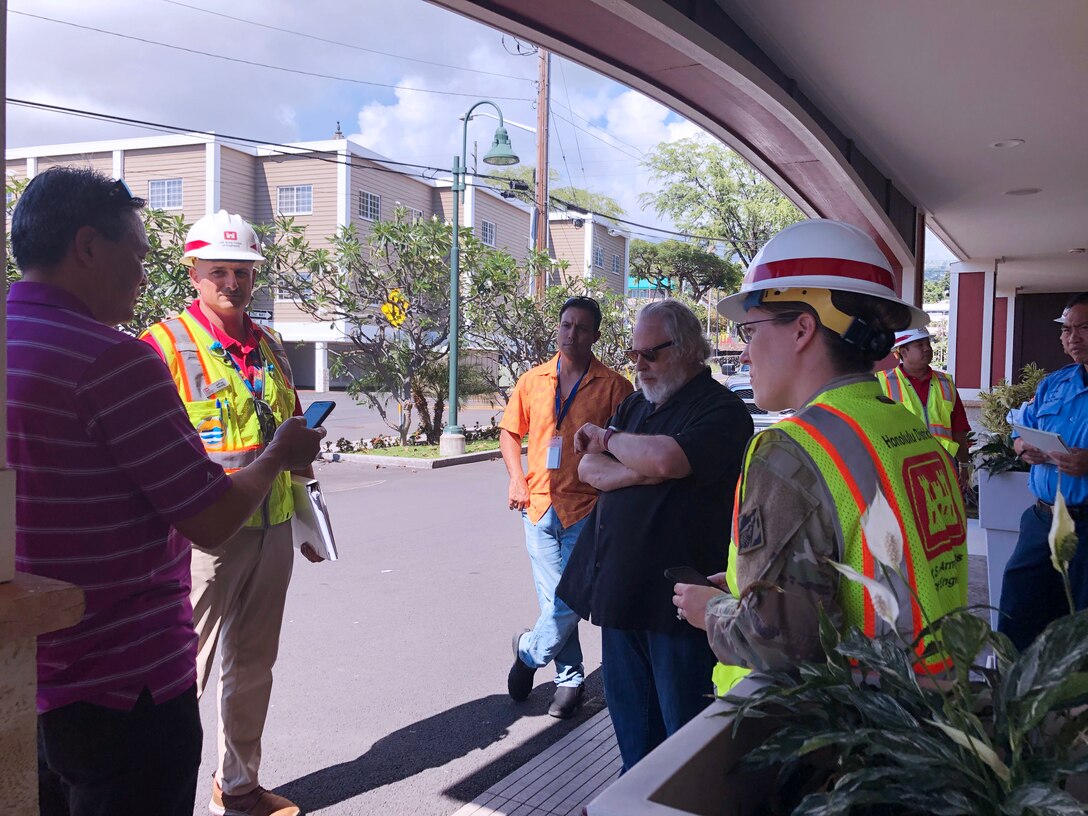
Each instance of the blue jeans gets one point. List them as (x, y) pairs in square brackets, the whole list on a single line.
[(1032, 595), (653, 684), (555, 635)]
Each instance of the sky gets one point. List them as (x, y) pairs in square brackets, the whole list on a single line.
[(399, 81), (396, 75)]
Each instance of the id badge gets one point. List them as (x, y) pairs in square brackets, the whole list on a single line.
[(555, 451)]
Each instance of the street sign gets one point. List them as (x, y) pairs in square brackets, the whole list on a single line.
[(260, 314)]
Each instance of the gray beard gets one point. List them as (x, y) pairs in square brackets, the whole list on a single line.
[(666, 386)]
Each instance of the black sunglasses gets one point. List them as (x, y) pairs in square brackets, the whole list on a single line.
[(121, 191), (650, 354), (266, 420)]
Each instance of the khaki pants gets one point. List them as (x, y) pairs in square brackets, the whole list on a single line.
[(238, 595)]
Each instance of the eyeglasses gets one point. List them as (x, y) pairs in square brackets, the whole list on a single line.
[(583, 302), (649, 355), (745, 332), (266, 420)]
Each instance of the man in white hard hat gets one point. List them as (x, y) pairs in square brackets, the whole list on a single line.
[(928, 393), (850, 468), (235, 381)]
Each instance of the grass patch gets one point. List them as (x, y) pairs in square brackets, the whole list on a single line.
[(430, 451)]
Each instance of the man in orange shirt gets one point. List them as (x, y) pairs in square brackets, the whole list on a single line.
[(550, 403)]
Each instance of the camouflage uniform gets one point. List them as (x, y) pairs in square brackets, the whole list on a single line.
[(787, 530)]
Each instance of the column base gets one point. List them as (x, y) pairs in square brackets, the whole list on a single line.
[(451, 443)]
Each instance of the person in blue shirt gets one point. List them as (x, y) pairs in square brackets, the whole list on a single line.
[(1031, 591)]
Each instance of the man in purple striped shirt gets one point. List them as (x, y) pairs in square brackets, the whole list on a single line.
[(106, 463)]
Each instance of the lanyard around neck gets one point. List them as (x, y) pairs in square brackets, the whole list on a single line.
[(561, 407), (256, 391)]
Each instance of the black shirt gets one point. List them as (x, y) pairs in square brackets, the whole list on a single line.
[(615, 573)]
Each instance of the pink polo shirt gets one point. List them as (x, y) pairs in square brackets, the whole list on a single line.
[(105, 459)]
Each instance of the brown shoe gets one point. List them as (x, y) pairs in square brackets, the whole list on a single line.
[(258, 802)]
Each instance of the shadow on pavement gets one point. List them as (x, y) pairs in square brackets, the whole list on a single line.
[(440, 739)]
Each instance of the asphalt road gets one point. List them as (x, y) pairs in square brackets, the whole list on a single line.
[(390, 690)]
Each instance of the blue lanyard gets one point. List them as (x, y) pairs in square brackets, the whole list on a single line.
[(258, 392), (561, 412)]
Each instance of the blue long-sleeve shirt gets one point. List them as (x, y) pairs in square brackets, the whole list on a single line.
[(1060, 406)]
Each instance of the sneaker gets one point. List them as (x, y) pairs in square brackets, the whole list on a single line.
[(258, 802), (519, 681), (566, 702)]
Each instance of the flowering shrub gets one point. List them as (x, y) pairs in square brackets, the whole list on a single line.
[(416, 439)]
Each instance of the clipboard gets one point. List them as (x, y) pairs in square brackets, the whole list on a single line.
[(311, 519), (1046, 441)]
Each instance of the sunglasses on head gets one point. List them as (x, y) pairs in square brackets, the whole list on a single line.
[(650, 354)]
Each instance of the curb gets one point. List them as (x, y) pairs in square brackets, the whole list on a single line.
[(413, 463)]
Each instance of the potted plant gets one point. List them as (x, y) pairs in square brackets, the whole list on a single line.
[(868, 730)]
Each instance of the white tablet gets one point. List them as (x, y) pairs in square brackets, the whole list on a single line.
[(1046, 441)]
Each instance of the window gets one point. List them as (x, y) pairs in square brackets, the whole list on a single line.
[(164, 194), (487, 233), (615, 264), (414, 215), (370, 206), (598, 257), (296, 200)]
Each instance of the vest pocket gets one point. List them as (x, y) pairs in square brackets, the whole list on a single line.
[(207, 418)]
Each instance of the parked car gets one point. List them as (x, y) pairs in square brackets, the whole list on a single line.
[(742, 387), (742, 373)]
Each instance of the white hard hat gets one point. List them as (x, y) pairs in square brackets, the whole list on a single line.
[(222, 237), (909, 336), (813, 255)]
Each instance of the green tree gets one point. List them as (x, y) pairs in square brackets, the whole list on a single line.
[(167, 290), (397, 357), (586, 199), (708, 190), (679, 266), (937, 285), (504, 320)]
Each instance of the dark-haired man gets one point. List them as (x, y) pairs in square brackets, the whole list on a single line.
[(1031, 590), (550, 402), (106, 462)]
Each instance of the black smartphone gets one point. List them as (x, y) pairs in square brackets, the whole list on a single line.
[(317, 412), (687, 575)]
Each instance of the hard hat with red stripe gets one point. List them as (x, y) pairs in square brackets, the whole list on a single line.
[(909, 336), (808, 260), (222, 236)]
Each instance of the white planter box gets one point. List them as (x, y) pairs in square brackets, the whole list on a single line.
[(693, 772), (1002, 499)]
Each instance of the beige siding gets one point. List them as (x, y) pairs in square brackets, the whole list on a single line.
[(392, 188), (511, 225), (186, 162), (237, 174), (16, 169), (443, 204), (101, 161), (568, 244), (281, 171), (286, 311), (612, 245)]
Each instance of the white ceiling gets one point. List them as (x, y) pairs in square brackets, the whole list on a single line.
[(925, 87)]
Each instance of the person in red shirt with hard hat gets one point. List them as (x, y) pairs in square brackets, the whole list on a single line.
[(929, 394)]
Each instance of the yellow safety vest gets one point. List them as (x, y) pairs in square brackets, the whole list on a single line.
[(857, 447), (937, 413), (220, 405)]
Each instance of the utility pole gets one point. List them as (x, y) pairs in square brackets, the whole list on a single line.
[(542, 168)]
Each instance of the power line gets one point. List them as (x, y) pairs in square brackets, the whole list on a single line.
[(577, 146), (590, 123), (253, 63), (342, 44), (595, 136)]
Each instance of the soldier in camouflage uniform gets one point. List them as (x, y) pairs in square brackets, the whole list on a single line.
[(817, 309)]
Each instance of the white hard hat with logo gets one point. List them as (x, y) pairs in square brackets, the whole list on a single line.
[(223, 236), (909, 336)]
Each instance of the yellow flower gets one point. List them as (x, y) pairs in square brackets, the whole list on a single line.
[(1063, 535)]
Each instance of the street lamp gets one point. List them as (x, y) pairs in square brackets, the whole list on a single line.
[(501, 153)]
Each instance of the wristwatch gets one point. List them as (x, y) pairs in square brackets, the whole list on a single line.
[(607, 435)]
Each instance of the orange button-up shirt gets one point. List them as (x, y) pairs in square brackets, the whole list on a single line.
[(531, 411)]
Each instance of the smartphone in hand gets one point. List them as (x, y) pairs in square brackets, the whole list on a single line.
[(317, 413), (687, 575)]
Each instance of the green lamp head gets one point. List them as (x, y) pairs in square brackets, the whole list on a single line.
[(501, 152)]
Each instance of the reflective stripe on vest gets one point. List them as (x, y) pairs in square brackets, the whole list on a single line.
[(936, 413), (220, 405)]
